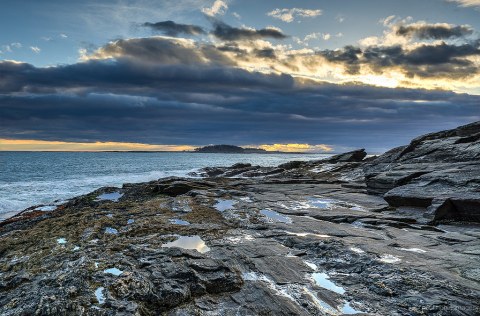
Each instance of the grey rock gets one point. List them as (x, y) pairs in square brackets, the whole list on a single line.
[(352, 156), (440, 171)]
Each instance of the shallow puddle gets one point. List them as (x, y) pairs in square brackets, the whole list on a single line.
[(347, 309), (322, 280), (176, 221), (46, 208), (239, 239), (223, 205), (114, 196), (320, 203), (356, 250), (308, 234), (99, 295), (273, 216), (110, 230), (389, 259), (130, 221), (298, 293), (189, 242), (113, 271), (181, 205), (61, 241), (321, 305), (417, 250)]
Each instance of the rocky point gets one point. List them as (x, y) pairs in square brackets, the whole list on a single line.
[(396, 234)]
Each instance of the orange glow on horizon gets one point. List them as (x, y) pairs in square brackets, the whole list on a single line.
[(43, 145), (296, 147)]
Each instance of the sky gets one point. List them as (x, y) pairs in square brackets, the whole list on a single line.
[(303, 75)]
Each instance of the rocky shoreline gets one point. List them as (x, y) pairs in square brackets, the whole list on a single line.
[(396, 234)]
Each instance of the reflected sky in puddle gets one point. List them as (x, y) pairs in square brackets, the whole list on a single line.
[(356, 250), (130, 221), (176, 221), (277, 289), (389, 259), (417, 250), (113, 271), (114, 196), (223, 205), (322, 280), (46, 208), (358, 224), (110, 230), (347, 309), (273, 216), (61, 241), (320, 203), (307, 234), (298, 293), (99, 295), (239, 239), (321, 305), (189, 242), (181, 205)]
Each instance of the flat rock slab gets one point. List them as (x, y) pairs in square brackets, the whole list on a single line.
[(456, 237)]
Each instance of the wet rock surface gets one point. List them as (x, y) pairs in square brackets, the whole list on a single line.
[(439, 170), (304, 238)]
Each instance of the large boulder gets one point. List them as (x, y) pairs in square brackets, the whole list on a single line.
[(351, 156)]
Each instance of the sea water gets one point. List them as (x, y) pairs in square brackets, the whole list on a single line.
[(32, 178)]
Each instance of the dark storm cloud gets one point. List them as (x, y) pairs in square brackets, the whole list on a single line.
[(114, 101), (171, 28), (126, 76), (173, 91), (228, 33), (349, 56), (434, 31), (160, 50), (428, 60)]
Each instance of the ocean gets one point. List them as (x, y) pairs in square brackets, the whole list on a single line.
[(33, 178)]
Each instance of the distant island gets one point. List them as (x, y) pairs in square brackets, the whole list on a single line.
[(230, 149)]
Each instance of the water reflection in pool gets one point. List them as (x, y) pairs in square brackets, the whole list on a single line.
[(189, 242)]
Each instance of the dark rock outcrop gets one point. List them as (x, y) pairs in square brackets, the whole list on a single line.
[(352, 156), (432, 171)]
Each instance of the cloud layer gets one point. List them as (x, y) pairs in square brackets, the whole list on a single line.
[(228, 33), (434, 31), (242, 89), (171, 28), (289, 15)]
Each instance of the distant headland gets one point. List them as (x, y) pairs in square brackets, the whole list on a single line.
[(231, 149)]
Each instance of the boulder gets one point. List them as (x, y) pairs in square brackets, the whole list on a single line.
[(352, 156), (291, 165)]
